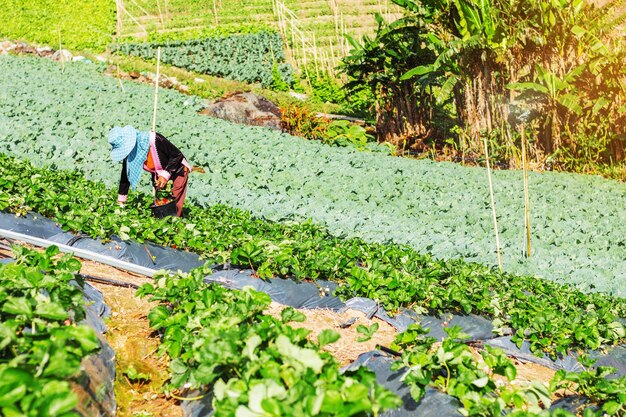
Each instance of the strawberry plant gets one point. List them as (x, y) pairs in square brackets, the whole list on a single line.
[(40, 347), (256, 364), (593, 384), (452, 368), (367, 332)]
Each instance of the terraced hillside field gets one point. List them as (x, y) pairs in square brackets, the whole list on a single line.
[(317, 26)]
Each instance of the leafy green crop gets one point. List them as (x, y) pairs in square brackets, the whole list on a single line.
[(609, 394), (61, 119), (185, 34), (367, 332), (552, 317), (40, 347), (248, 57), (452, 368), (83, 24), (256, 364)]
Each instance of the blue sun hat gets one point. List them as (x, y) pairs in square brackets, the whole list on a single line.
[(122, 141), (127, 142)]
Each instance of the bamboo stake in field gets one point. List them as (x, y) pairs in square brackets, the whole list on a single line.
[(160, 14), (61, 51), (118, 9), (156, 90), (217, 20), (493, 204), (317, 73), (526, 193)]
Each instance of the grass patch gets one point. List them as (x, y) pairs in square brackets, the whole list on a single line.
[(83, 24)]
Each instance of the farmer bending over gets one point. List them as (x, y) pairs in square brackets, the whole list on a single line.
[(152, 152)]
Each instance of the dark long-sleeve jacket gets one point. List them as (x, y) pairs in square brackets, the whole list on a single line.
[(169, 162)]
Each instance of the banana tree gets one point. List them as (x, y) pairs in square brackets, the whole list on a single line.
[(556, 97), (404, 105)]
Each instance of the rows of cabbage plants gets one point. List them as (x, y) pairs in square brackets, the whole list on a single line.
[(61, 119), (254, 57)]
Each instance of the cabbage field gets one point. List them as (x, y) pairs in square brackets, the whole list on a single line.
[(60, 118), (255, 57)]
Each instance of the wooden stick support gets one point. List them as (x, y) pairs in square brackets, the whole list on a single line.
[(61, 52), (160, 14), (526, 192), (156, 90), (493, 204)]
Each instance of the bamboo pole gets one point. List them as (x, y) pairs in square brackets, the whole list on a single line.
[(140, 8), (526, 193), (61, 51), (217, 20), (117, 45), (336, 18), (160, 14), (156, 90), (120, 22), (493, 204), (343, 32), (317, 73), (133, 19), (119, 77)]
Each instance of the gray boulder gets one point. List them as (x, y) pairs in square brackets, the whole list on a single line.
[(62, 55), (245, 108)]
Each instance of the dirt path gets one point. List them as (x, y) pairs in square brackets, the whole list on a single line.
[(135, 345), (347, 348)]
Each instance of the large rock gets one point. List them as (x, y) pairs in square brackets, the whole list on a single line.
[(62, 55), (246, 108)]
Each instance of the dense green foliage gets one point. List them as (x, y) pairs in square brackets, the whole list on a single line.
[(83, 24), (40, 347), (255, 364), (596, 385), (202, 33), (404, 107), (249, 57), (61, 119), (299, 121), (216, 337), (554, 65), (550, 316), (451, 367), (324, 86), (183, 19), (438, 208)]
